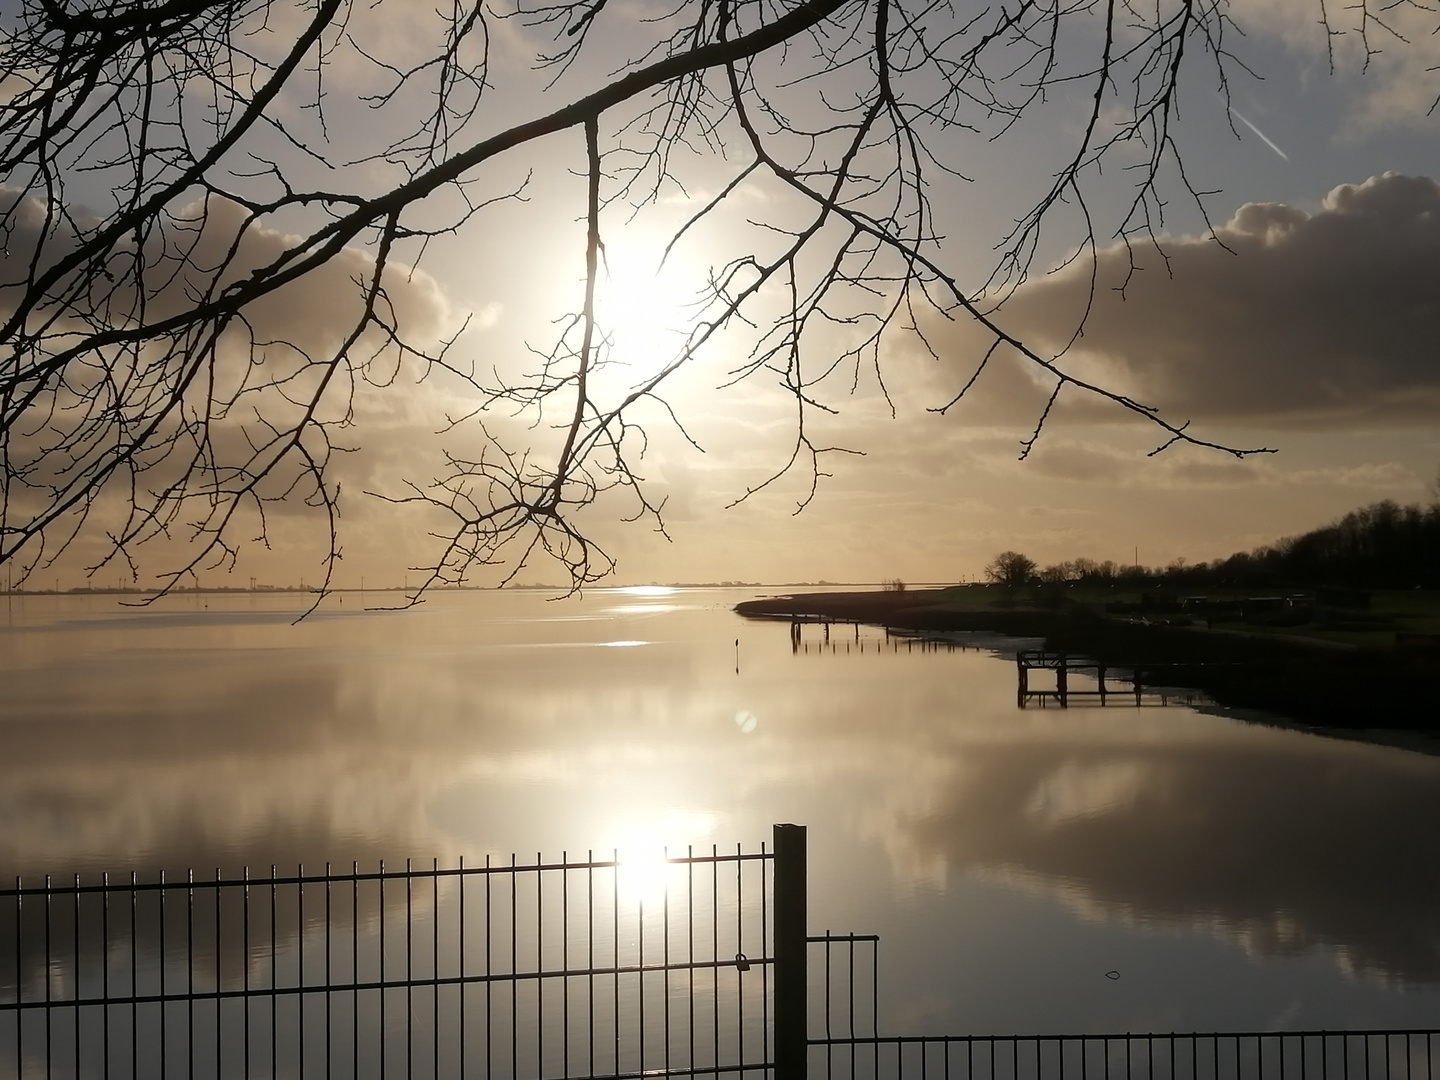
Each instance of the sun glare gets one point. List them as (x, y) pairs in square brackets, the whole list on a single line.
[(644, 309), (644, 847)]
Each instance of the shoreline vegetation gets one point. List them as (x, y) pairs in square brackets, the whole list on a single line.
[(1297, 657), (1337, 628)]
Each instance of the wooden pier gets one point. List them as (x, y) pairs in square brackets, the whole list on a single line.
[(1062, 664), (1125, 685), (799, 621), (893, 641)]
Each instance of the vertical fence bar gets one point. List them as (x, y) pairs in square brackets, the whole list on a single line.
[(134, 983), (274, 964), (739, 948), (79, 981), (489, 1003), (19, 976), (565, 963), (715, 952), (219, 1019), (435, 966), (409, 970), (790, 949), (355, 967), (460, 964), (329, 1003), (690, 947), (163, 1003), (245, 965), (765, 900), (380, 975), (49, 1039)]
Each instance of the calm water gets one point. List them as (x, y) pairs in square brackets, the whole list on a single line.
[(1039, 870)]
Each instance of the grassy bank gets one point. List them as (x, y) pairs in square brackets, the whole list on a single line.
[(1356, 673)]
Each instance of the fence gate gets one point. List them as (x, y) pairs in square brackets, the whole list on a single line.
[(693, 965)]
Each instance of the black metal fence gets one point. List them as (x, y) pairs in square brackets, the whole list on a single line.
[(595, 967), (697, 965), (1271, 1055), (847, 1044)]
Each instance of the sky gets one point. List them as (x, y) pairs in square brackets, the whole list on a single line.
[(1294, 308)]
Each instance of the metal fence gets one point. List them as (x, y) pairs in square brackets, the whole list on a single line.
[(1272, 1055), (594, 967), (696, 965), (845, 1011)]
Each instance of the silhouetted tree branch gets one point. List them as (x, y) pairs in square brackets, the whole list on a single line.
[(171, 173)]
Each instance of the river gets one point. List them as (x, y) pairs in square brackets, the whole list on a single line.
[(1035, 870)]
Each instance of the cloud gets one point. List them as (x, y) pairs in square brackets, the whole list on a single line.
[(268, 363), (1389, 59), (1073, 459), (1325, 320), (211, 244)]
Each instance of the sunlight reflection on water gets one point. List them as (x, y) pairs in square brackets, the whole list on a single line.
[(1009, 858)]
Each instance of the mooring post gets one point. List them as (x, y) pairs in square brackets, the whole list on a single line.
[(790, 980)]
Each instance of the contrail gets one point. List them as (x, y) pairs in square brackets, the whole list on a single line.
[(1263, 137)]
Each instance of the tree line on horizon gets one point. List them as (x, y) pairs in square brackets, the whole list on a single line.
[(1380, 546)]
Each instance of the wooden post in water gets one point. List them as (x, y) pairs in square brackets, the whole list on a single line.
[(790, 974), (1062, 685)]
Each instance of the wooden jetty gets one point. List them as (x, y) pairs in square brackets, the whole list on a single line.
[(894, 641), (1062, 664), (1126, 683)]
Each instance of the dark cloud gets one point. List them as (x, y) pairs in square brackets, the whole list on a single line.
[(270, 361), (217, 242), (1282, 317)]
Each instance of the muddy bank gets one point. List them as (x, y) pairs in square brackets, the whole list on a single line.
[(1396, 688)]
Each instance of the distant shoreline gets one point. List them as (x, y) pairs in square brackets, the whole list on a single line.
[(261, 590), (1354, 689)]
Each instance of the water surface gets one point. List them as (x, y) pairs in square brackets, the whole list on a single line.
[(1029, 870)]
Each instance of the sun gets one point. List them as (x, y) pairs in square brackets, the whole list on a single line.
[(644, 846), (645, 308)]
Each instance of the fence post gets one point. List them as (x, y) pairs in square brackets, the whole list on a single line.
[(790, 932)]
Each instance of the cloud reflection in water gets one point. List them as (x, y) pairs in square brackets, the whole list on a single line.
[(469, 728)]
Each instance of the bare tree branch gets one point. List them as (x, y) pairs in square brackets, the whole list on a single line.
[(170, 172)]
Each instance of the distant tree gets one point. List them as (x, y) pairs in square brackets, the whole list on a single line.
[(1011, 568), (1055, 574), (893, 585), (1383, 545)]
